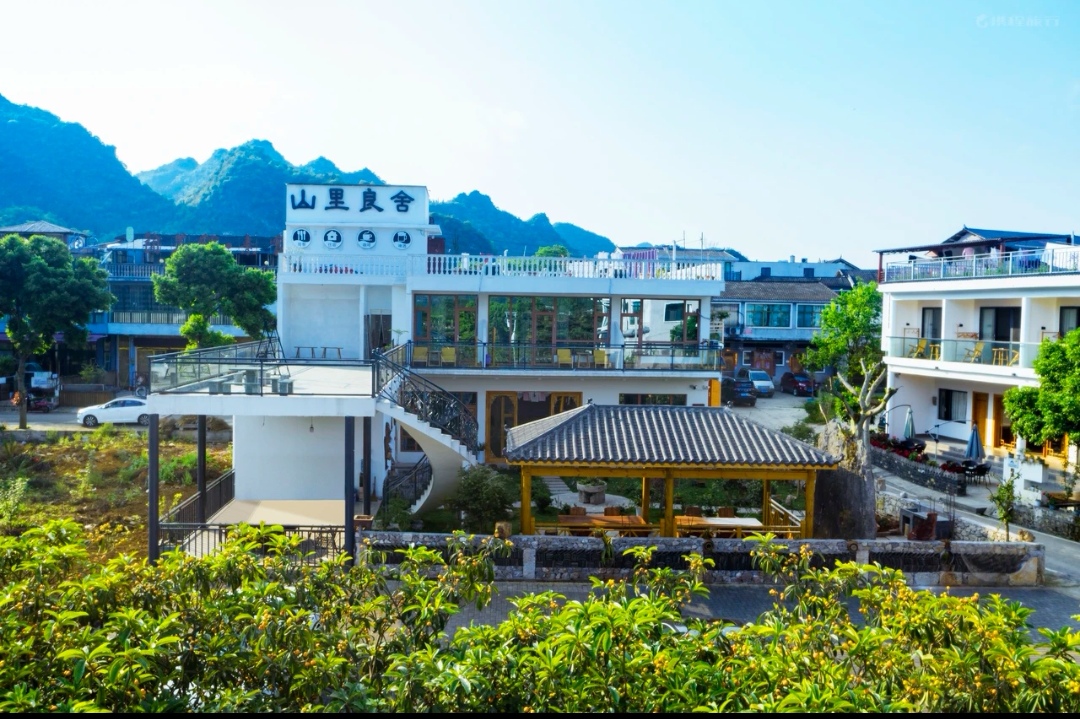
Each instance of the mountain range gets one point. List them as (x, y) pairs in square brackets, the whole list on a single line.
[(58, 171)]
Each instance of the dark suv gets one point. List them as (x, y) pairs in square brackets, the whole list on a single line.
[(797, 383), (737, 391)]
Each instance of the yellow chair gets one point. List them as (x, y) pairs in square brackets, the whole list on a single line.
[(449, 356), (599, 358), (1014, 358), (566, 358), (419, 356), (975, 353), (919, 350)]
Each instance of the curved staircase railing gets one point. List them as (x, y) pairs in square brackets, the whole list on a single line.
[(423, 398)]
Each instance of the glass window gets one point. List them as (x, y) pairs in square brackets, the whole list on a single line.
[(1069, 320), (952, 405), (673, 312), (773, 315), (809, 315), (778, 358), (748, 357), (672, 399)]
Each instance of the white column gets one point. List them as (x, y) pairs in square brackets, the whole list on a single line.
[(704, 319), (365, 351), (481, 332), (401, 300)]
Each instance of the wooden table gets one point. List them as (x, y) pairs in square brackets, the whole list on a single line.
[(324, 349), (722, 526), (1001, 355), (582, 525), (305, 347)]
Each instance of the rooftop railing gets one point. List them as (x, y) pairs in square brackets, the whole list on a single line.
[(498, 265), (1061, 260)]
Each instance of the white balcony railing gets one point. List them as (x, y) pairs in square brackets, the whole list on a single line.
[(499, 266), (1060, 260)]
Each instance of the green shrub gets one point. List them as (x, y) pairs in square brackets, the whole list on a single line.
[(541, 495), (801, 431), (483, 498), (12, 494)]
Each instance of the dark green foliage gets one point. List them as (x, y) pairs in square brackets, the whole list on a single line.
[(62, 169), (44, 291), (461, 236), (505, 231), (585, 243), (484, 496), (204, 280)]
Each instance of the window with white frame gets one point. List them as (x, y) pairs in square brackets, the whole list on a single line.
[(748, 357), (768, 315), (778, 358), (808, 315)]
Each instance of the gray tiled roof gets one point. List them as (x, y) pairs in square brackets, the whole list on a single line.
[(658, 434), (40, 226), (799, 291)]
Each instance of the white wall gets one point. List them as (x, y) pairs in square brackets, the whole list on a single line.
[(323, 315), (279, 458)]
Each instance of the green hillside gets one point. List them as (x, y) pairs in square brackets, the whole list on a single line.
[(58, 171)]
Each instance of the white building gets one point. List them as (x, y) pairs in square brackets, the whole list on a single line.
[(962, 322), (474, 345)]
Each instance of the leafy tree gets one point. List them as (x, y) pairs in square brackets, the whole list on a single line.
[(483, 496), (553, 251), (1004, 500), (1051, 410), (244, 628), (849, 342), (43, 291), (204, 280)]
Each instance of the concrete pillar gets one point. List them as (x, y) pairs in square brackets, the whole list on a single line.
[(808, 520), (645, 499), (365, 350), (350, 486), (669, 506)]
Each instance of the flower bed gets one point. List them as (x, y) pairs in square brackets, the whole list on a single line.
[(919, 470)]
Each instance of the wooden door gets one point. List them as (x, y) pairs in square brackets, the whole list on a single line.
[(501, 415), (980, 402)]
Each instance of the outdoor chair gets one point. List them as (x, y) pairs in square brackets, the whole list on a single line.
[(577, 511), (599, 358), (612, 512), (975, 353), (420, 355), (980, 473), (449, 356), (725, 511), (566, 358), (919, 350), (692, 511), (1014, 358)]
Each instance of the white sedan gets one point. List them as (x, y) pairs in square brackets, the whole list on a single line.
[(119, 411)]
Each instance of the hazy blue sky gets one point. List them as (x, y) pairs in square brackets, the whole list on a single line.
[(776, 128)]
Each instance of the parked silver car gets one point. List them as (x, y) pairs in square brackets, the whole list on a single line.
[(762, 381)]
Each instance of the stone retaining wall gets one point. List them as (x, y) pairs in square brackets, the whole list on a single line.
[(921, 474), (555, 558), (1059, 522)]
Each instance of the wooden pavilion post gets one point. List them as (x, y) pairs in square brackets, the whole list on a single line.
[(808, 520), (645, 499), (526, 501), (669, 508), (766, 503)]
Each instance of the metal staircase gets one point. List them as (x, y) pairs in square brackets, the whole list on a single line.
[(440, 423)]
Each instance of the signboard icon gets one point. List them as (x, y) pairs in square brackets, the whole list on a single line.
[(302, 238), (332, 239), (366, 239), (402, 240)]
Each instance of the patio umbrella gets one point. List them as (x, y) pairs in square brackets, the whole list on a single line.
[(909, 425), (974, 450)]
